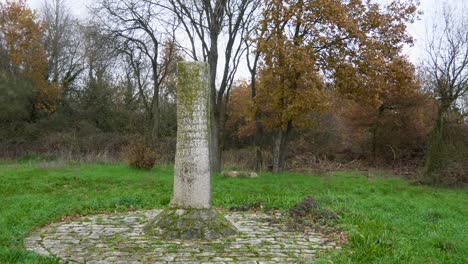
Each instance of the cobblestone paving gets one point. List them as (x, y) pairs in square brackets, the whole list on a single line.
[(118, 238)]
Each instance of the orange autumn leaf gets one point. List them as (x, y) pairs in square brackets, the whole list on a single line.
[(22, 35)]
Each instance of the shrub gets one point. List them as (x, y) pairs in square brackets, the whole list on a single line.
[(455, 174), (139, 154), (165, 150)]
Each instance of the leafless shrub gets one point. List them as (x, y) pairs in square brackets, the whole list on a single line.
[(139, 154)]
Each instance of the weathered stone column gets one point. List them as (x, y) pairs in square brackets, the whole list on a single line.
[(190, 215), (192, 176)]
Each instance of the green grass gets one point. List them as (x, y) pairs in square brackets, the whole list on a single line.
[(387, 220)]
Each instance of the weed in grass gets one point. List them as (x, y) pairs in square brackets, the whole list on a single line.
[(172, 248), (217, 247), (433, 216), (308, 214), (257, 205), (446, 246)]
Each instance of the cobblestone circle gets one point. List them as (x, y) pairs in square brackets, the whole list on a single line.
[(119, 238)]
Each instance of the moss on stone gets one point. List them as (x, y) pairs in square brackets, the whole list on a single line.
[(190, 224), (193, 80)]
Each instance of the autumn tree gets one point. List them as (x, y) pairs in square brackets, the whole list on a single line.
[(392, 85), (240, 126), (447, 67), (290, 86), (352, 45), (396, 134), (22, 34)]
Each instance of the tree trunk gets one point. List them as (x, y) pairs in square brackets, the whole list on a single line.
[(155, 105), (258, 126), (257, 145), (277, 151), (374, 144), (155, 122), (215, 148), (280, 148), (435, 152), (375, 127)]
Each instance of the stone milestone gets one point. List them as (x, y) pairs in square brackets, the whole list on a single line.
[(192, 175), (190, 215)]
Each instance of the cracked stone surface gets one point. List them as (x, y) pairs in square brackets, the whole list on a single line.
[(119, 238)]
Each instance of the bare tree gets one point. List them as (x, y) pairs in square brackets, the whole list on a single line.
[(101, 59), (211, 25), (62, 43), (448, 68), (464, 107), (141, 30), (138, 71)]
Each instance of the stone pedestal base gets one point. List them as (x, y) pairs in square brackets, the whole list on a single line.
[(190, 224)]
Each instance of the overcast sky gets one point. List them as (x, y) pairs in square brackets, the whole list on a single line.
[(430, 9)]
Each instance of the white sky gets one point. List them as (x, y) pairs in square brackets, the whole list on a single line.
[(431, 9), (418, 30)]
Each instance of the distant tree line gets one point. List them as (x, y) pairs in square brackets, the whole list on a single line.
[(328, 81)]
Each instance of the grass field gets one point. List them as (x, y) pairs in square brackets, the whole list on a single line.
[(387, 220)]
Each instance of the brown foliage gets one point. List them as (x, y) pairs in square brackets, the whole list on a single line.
[(139, 154), (289, 84), (22, 34), (240, 125), (394, 134), (354, 47), (357, 44)]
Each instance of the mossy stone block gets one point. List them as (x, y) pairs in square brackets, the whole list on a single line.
[(190, 224)]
